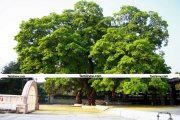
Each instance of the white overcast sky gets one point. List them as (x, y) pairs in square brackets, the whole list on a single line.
[(13, 12)]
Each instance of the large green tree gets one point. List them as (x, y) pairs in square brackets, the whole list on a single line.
[(132, 46), (60, 43), (82, 40)]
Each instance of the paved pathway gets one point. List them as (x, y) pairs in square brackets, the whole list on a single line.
[(138, 114), (109, 114), (175, 111), (58, 117)]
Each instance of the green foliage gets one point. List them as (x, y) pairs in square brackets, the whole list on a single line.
[(133, 87), (82, 40), (12, 85), (11, 68), (131, 46), (60, 43), (50, 87), (66, 86), (103, 84), (159, 86)]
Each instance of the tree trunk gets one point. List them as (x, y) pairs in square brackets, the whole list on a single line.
[(113, 93), (49, 99), (91, 67), (113, 96), (91, 95), (79, 97), (91, 92)]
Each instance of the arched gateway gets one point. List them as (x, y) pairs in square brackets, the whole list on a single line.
[(27, 102), (30, 96)]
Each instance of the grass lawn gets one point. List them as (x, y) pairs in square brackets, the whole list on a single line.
[(69, 109), (65, 109)]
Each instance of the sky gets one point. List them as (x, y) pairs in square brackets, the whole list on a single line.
[(13, 12)]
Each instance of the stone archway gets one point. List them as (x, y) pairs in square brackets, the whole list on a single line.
[(30, 96), (27, 102)]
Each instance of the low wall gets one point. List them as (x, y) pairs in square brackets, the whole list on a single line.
[(10, 102), (27, 102)]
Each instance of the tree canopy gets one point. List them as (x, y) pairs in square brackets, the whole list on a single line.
[(132, 45), (12, 85), (83, 40), (11, 68)]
